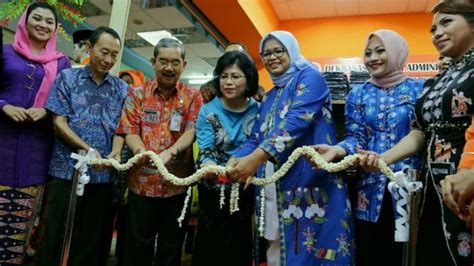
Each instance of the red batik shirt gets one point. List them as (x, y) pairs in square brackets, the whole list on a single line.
[(149, 115)]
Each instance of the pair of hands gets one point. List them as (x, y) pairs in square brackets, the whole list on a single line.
[(239, 169), (19, 114), (369, 160), (165, 156), (458, 190)]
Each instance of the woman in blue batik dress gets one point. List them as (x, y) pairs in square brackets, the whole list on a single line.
[(307, 212), (378, 115), (221, 127)]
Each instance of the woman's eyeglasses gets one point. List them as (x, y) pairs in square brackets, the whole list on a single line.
[(233, 78), (278, 52)]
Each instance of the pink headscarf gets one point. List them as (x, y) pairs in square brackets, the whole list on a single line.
[(48, 58), (396, 49)]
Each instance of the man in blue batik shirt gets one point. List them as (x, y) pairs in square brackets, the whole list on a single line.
[(86, 105)]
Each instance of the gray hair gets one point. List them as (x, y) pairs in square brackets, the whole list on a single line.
[(169, 43)]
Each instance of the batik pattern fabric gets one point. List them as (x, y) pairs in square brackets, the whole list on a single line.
[(93, 112), (444, 113), (376, 120), (149, 115), (17, 213), (220, 132), (313, 208), (220, 234)]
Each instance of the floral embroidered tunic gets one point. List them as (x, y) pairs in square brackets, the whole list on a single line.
[(444, 113), (220, 131), (313, 206), (376, 120), (26, 147)]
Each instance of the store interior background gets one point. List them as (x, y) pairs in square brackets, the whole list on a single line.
[(324, 28)]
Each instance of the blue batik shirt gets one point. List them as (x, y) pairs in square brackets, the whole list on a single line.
[(93, 112), (376, 120)]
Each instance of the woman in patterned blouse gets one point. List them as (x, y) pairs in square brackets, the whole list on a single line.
[(378, 115), (444, 113), (221, 127)]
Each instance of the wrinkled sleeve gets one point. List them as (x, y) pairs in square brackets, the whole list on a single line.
[(130, 120), (355, 125), (59, 100), (250, 143), (63, 63), (311, 92), (194, 107), (205, 137)]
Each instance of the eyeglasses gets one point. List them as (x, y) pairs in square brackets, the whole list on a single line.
[(165, 63), (278, 52), (31, 76), (234, 77)]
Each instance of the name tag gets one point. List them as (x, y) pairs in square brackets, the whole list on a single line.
[(151, 116), (176, 120)]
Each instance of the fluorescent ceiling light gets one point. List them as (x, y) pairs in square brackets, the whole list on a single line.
[(153, 37), (198, 80)]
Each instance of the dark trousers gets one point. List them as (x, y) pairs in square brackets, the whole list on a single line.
[(148, 217), (223, 238), (375, 242), (89, 224)]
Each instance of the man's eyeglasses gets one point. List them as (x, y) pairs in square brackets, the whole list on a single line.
[(278, 52), (165, 63)]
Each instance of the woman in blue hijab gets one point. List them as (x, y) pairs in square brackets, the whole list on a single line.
[(307, 212)]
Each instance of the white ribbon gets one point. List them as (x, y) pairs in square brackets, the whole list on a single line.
[(402, 189), (82, 166)]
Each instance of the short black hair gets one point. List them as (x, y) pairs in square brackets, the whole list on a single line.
[(101, 30), (42, 5), (169, 43), (242, 61), (239, 44)]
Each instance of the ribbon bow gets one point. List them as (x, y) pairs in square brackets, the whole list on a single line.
[(402, 189), (82, 165)]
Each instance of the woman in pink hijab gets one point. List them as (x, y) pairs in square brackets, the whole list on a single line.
[(31, 63), (378, 114)]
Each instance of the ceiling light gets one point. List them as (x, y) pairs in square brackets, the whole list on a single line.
[(198, 81), (153, 37)]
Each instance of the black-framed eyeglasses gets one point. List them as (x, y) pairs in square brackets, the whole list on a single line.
[(278, 52)]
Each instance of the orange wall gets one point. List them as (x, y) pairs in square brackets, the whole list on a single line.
[(261, 13), (248, 20), (346, 36)]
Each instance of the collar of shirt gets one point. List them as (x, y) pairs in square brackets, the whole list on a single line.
[(155, 89), (87, 73)]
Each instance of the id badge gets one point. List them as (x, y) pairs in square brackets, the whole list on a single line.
[(151, 116), (176, 120)]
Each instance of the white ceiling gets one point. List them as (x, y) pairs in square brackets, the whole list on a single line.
[(199, 54), (161, 18), (303, 9)]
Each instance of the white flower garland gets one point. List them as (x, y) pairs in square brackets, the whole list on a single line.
[(185, 207), (305, 151)]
